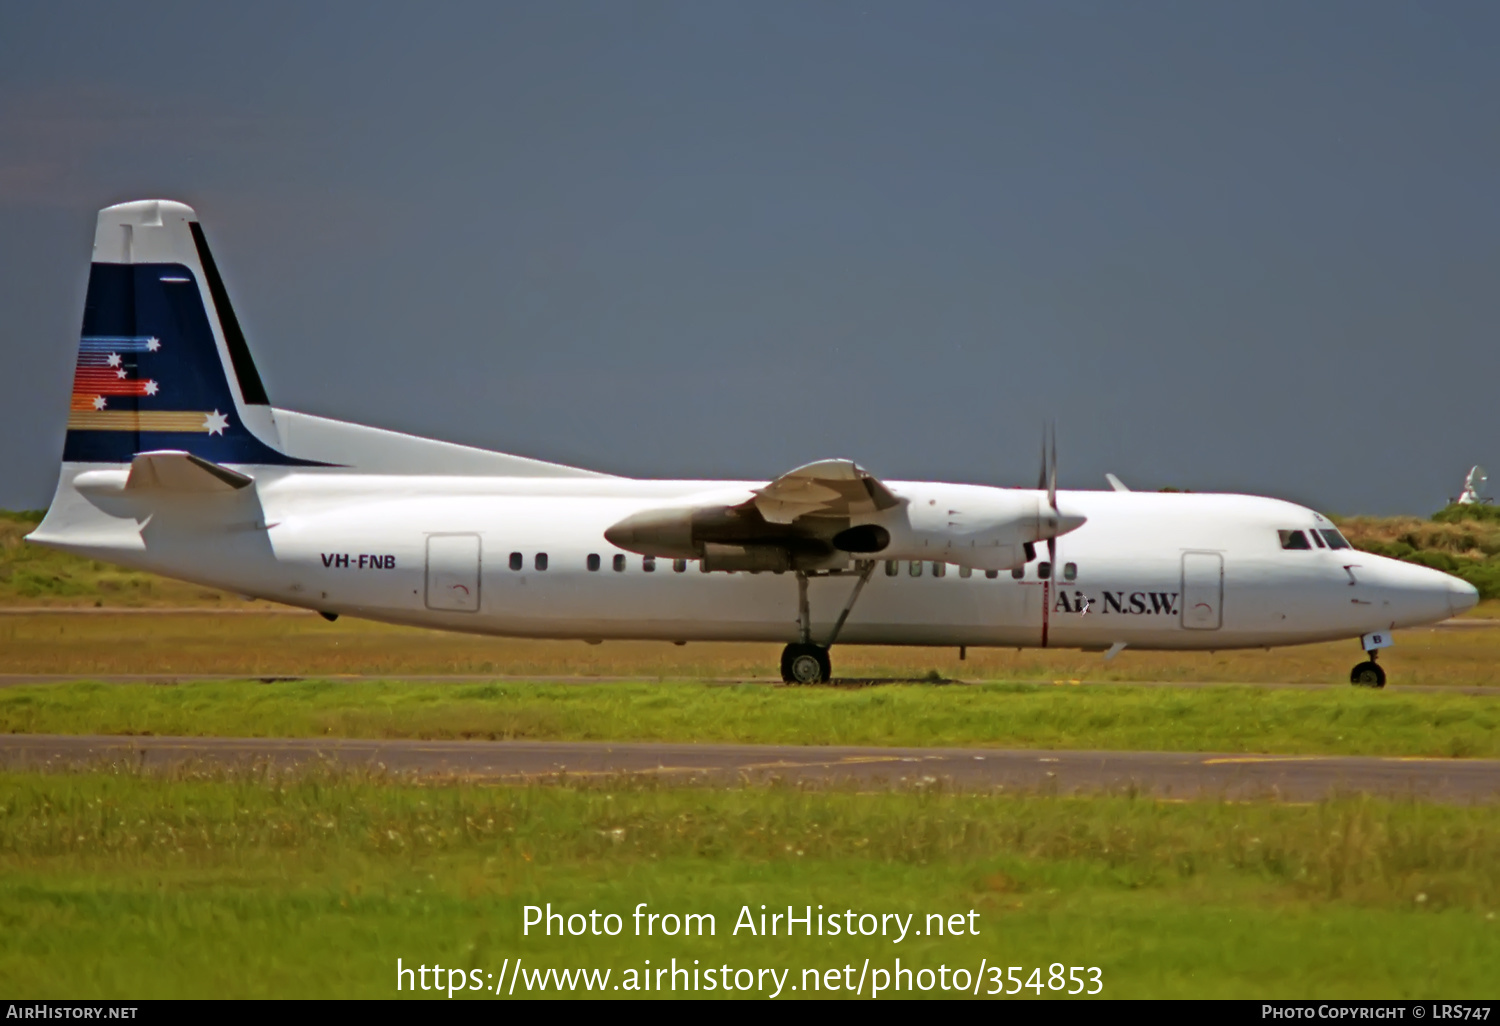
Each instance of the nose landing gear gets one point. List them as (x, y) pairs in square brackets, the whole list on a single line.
[(1369, 674)]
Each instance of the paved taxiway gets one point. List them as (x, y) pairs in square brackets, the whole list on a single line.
[(1164, 774)]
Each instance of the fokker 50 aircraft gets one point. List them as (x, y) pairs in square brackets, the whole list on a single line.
[(176, 462)]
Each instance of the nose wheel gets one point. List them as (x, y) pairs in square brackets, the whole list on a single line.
[(1368, 674)]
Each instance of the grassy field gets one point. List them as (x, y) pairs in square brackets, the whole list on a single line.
[(1029, 703), (251, 886), (1226, 719), (304, 644)]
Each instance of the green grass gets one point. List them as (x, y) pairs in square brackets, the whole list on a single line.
[(1227, 719), (303, 644), (312, 885)]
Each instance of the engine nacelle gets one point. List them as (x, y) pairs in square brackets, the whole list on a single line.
[(753, 558), (970, 525), (730, 539), (665, 533)]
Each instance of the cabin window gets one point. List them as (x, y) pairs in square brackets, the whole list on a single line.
[(620, 563), (914, 568), (593, 561), (1018, 572), (1293, 540), (541, 561), (1043, 570), (679, 565), (939, 569), (703, 566), (648, 564), (965, 571), (892, 567), (516, 562), (1070, 571), (992, 574), (1317, 539), (1335, 539)]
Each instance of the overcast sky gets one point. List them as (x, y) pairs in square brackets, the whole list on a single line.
[(1227, 246)]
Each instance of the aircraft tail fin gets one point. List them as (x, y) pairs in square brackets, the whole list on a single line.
[(164, 366), (162, 362)]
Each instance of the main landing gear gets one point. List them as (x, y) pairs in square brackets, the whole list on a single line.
[(804, 662)]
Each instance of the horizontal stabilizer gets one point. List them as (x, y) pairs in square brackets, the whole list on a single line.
[(167, 470), (183, 472), (164, 470)]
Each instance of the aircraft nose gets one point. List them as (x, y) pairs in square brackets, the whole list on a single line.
[(1406, 594), (1462, 596)]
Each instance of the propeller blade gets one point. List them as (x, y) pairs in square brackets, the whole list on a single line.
[(1041, 475), (1052, 474), (1052, 501)]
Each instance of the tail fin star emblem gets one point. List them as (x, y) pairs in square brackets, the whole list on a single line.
[(215, 423)]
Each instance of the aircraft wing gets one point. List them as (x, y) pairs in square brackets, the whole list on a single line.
[(827, 488)]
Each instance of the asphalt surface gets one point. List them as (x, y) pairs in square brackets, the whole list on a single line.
[(1184, 775)]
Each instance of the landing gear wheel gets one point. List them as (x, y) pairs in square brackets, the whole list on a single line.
[(1367, 675), (806, 664)]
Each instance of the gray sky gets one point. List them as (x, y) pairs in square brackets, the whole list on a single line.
[(1227, 246)]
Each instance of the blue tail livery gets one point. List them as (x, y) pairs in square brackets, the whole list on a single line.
[(162, 362)]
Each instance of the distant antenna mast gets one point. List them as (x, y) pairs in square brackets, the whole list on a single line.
[(1473, 485)]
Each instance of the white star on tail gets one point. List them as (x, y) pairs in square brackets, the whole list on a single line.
[(150, 388), (114, 359), (98, 402), (215, 423), (153, 344)]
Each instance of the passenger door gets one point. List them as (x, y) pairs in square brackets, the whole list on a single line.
[(1202, 591), (453, 572)]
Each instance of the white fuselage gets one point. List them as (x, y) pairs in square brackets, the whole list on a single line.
[(1150, 570)]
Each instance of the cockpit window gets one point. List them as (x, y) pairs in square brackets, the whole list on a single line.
[(1317, 539), (1335, 540), (1293, 540)]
